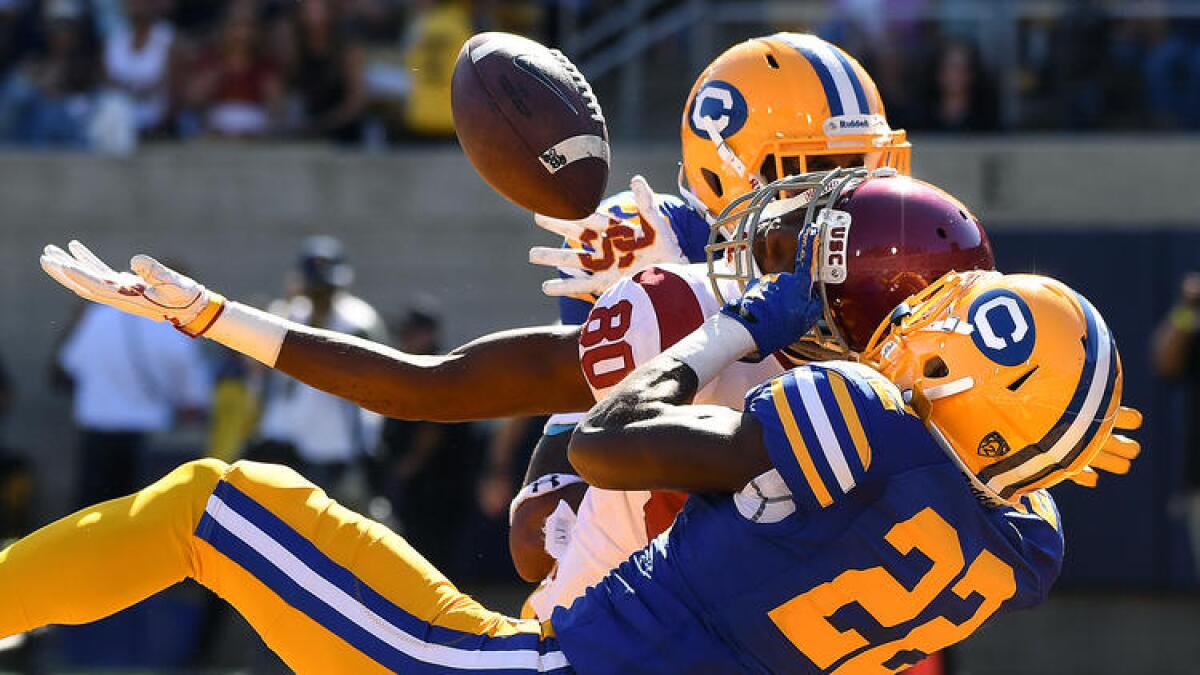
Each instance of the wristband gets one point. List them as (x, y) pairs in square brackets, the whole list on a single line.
[(561, 423), (543, 485), (251, 331), (206, 318), (709, 349), (1183, 318)]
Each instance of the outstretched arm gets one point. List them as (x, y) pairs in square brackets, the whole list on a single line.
[(527, 371), (520, 372)]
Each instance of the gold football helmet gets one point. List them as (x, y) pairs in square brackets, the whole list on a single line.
[(778, 106), (1017, 376)]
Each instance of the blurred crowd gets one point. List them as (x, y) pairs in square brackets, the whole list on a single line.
[(105, 73), (1085, 67)]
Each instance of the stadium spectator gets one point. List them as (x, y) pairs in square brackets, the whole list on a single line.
[(131, 378), (965, 100), (1176, 356), (140, 63), (48, 99), (1172, 73), (436, 33), (427, 467), (235, 88), (320, 435), (327, 74), (18, 31)]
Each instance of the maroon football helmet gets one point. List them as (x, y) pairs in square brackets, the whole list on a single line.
[(883, 238)]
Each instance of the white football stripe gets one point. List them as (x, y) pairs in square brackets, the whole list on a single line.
[(815, 409), (369, 621), (573, 149), (841, 79), (484, 49)]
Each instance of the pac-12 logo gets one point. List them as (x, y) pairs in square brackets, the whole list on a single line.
[(720, 102), (1003, 327)]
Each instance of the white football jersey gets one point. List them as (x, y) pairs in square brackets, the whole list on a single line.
[(634, 321)]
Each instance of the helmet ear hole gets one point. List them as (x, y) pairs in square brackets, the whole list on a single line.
[(713, 180), (935, 367)]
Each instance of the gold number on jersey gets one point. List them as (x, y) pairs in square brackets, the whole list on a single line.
[(805, 618)]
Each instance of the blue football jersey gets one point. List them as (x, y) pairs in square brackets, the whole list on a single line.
[(690, 228), (884, 555)]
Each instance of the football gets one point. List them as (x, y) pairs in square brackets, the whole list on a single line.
[(530, 124)]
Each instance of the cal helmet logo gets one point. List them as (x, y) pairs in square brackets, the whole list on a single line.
[(993, 445), (722, 103), (1002, 327)]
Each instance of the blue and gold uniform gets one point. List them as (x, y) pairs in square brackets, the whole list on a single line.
[(886, 556), (866, 550)]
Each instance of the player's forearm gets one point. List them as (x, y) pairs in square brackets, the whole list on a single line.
[(523, 372)]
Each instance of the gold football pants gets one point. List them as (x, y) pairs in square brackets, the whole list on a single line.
[(327, 589)]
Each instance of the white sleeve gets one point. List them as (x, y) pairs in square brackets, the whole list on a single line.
[(634, 321)]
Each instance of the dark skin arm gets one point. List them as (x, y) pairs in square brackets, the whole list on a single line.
[(526, 538), (646, 436), (522, 372)]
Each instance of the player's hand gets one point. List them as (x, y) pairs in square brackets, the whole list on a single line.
[(779, 309), (616, 245), (151, 290), (1118, 452)]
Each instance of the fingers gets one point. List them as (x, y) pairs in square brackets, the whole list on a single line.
[(152, 271), (643, 196), (1121, 446), (54, 266), (1086, 478), (571, 229), (566, 258), (1110, 463), (88, 259), (1128, 419), (572, 286)]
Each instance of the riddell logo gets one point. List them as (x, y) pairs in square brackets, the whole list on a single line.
[(993, 445), (853, 124)]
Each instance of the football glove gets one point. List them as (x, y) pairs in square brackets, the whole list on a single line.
[(778, 309), (604, 247), (151, 290), (1117, 453)]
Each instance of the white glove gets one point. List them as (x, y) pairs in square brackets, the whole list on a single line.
[(152, 290), (619, 246)]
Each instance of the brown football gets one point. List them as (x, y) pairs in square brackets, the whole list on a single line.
[(530, 125)]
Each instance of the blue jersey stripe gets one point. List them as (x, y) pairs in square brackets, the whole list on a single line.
[(343, 579)]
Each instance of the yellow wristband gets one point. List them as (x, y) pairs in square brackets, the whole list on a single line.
[(1183, 318), (206, 318)]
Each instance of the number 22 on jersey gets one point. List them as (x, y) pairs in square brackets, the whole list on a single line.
[(804, 619)]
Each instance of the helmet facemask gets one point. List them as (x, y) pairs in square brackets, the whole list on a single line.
[(734, 234)]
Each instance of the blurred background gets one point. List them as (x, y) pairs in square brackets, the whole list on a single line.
[(301, 155)]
